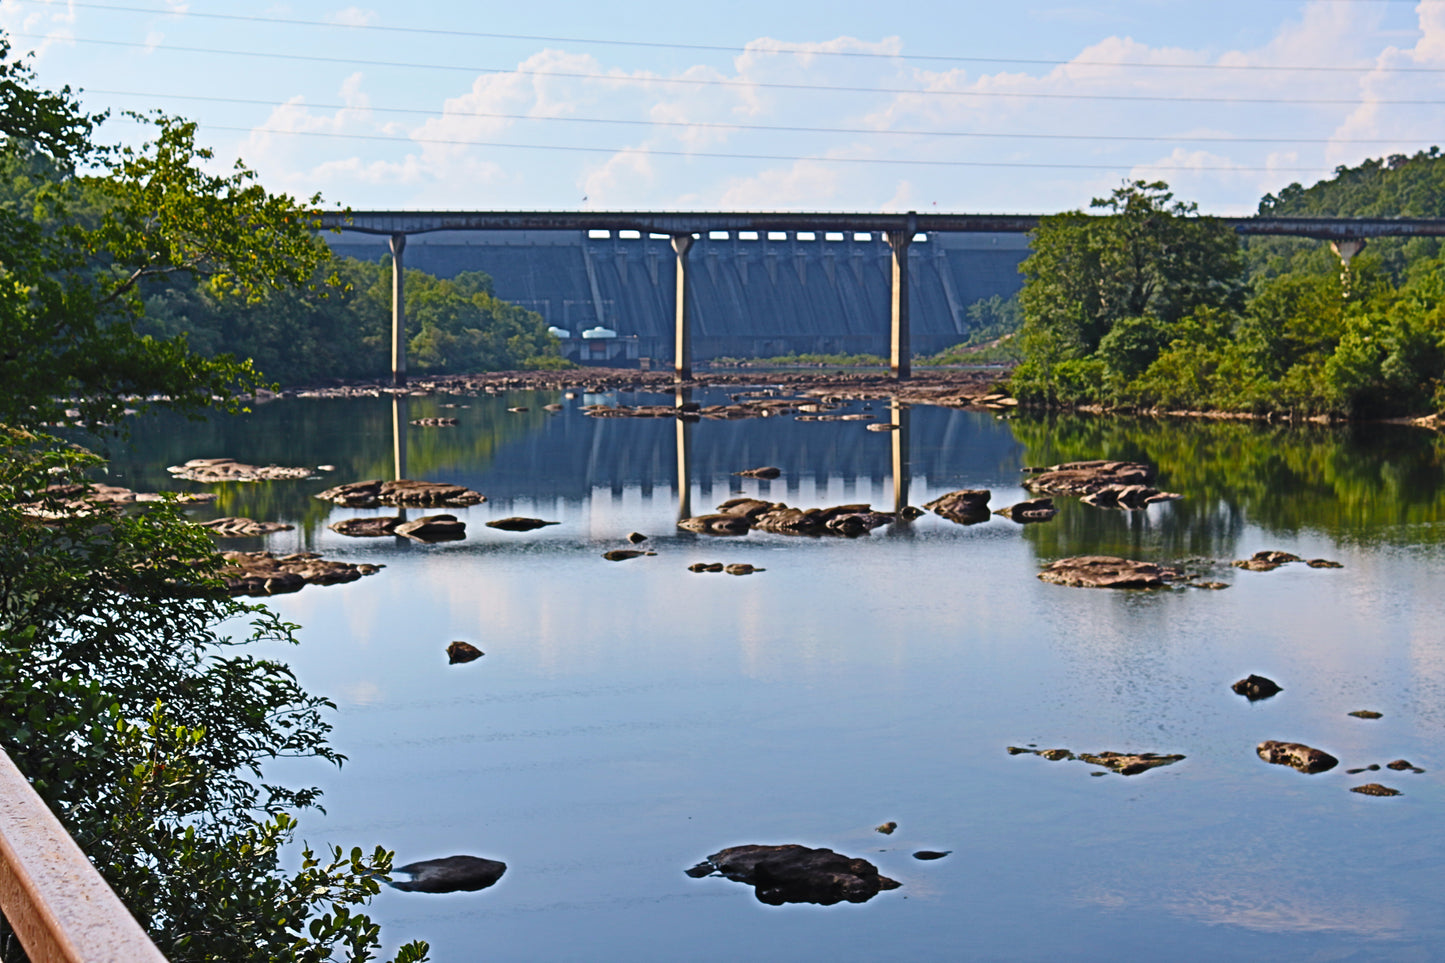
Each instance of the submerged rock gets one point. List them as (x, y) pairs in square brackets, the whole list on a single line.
[(1123, 763), (796, 874), (450, 874), (1367, 714), (1266, 561), (265, 573), (216, 470), (1297, 755), (1256, 687), (460, 652), (372, 526), (1107, 571), (243, 527), (401, 491), (519, 524)]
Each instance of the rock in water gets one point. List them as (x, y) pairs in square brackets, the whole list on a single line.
[(1256, 687), (796, 874), (623, 554), (1297, 755), (232, 527), (434, 528), (931, 854), (461, 652), (370, 526), (1034, 510), (1375, 789), (518, 524), (1106, 571), (767, 471), (450, 874), (967, 506)]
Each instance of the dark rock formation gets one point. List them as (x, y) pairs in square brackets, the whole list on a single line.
[(636, 538), (1256, 687), (766, 471), (742, 568), (716, 524), (243, 527), (371, 526), (403, 491), (1106, 571), (1266, 561), (705, 567), (738, 515), (1367, 714), (1034, 510), (436, 422), (450, 874), (967, 506), (1323, 563), (1400, 765), (434, 528), (1128, 497), (623, 554), (1297, 756), (931, 854), (886, 829), (216, 470), (518, 524), (461, 652), (1124, 763), (264, 573), (796, 874), (1375, 789)]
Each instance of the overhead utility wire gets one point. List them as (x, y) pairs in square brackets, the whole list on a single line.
[(654, 152), (769, 128), (748, 84), (720, 48)]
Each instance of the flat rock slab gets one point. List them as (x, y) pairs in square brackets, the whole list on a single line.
[(1297, 755), (216, 470), (372, 526), (1375, 789), (450, 874), (265, 573), (1256, 687), (766, 471), (232, 527), (402, 491), (796, 874), (1034, 510), (1123, 763), (434, 528), (518, 524), (1107, 571)]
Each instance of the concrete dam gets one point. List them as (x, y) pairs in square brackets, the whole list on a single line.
[(752, 294)]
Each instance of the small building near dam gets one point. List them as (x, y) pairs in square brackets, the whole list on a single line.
[(753, 294)]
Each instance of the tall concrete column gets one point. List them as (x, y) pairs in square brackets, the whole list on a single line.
[(900, 355), (682, 343), (398, 311)]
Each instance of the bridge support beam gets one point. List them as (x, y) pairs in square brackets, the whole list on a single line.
[(398, 311), (900, 354), (682, 342)]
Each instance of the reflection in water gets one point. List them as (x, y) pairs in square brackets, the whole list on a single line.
[(899, 416), (400, 423)]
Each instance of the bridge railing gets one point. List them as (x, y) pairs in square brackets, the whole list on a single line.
[(55, 901)]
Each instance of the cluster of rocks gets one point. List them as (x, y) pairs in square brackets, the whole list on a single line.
[(265, 573), (61, 501), (738, 516), (1107, 571), (401, 491), (213, 471), (1268, 561), (796, 874), (233, 527), (1123, 763), (736, 568), (1104, 484), (427, 528), (436, 422), (969, 506)]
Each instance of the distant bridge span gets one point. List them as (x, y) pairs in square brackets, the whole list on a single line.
[(1346, 235)]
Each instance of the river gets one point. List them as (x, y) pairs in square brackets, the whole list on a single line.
[(630, 718)]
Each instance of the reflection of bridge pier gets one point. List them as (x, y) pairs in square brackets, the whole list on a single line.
[(684, 453), (902, 470)]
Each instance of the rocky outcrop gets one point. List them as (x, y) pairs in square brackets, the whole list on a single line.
[(796, 874), (623, 554), (231, 527), (767, 471), (1106, 571), (1256, 687), (402, 491), (967, 506), (1297, 755), (434, 528), (737, 516), (1034, 510), (460, 653), (1124, 763), (1375, 789), (518, 524), (1104, 484), (742, 568), (265, 573), (1268, 561), (370, 526), (217, 470), (451, 874)]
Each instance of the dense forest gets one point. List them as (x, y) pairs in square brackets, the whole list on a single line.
[(1150, 306)]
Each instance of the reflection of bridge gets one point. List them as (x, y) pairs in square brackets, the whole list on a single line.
[(1347, 235)]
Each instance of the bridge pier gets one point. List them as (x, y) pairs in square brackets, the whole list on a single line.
[(682, 342), (398, 311), (900, 352)]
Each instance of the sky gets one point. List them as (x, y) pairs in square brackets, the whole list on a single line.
[(761, 105)]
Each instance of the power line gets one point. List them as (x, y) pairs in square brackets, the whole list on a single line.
[(768, 128), (750, 85), (720, 48), (710, 155)]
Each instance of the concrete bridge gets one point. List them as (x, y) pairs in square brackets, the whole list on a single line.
[(1346, 235)]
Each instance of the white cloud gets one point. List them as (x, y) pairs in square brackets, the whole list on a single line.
[(53, 20), (353, 17)]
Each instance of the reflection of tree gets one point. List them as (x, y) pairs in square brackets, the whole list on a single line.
[(1351, 483)]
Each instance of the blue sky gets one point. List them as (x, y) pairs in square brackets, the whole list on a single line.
[(1024, 107)]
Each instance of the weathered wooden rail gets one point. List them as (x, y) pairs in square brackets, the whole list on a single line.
[(53, 898)]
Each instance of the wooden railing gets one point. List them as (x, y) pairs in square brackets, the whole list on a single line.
[(54, 900)]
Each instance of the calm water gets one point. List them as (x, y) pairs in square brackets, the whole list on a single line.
[(630, 718)]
